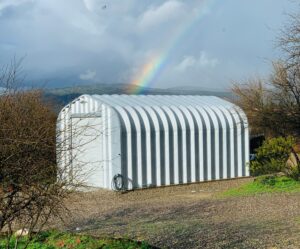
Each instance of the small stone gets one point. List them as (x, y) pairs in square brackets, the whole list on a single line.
[(22, 232)]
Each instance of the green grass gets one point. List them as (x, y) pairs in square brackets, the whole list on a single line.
[(54, 240), (265, 184), (297, 219)]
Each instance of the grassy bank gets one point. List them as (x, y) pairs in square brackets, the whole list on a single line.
[(265, 184), (54, 240)]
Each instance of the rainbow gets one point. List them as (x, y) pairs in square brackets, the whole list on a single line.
[(155, 65)]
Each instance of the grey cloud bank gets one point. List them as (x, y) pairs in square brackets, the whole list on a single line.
[(109, 41)]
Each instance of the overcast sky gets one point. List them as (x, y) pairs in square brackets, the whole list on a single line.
[(202, 43)]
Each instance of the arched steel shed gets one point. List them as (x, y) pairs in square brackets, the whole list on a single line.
[(153, 140)]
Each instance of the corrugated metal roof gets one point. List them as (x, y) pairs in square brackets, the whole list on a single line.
[(150, 100)]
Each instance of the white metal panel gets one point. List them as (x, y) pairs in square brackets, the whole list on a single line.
[(165, 165), (200, 162), (214, 116), (229, 130), (137, 128), (141, 117), (183, 121), (87, 158), (241, 119), (174, 126), (181, 144), (192, 143), (129, 154), (155, 181)]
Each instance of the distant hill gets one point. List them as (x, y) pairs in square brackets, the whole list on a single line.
[(66, 94)]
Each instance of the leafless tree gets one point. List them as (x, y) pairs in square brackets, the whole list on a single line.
[(254, 98), (273, 105), (289, 40), (32, 186)]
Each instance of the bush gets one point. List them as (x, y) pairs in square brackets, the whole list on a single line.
[(32, 187), (272, 156)]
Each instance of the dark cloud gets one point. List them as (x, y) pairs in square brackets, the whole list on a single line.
[(78, 41)]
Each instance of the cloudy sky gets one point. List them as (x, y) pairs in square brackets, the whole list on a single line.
[(203, 43)]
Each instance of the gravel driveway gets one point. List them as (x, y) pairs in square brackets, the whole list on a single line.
[(190, 216)]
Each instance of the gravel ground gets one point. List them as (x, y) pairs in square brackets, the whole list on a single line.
[(189, 216)]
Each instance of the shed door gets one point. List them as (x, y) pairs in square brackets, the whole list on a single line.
[(87, 150)]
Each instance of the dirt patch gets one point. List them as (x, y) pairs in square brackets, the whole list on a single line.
[(190, 216)]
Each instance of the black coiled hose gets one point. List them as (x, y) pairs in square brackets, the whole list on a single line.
[(118, 182)]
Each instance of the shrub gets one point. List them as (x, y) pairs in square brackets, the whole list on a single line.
[(32, 187), (272, 156)]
